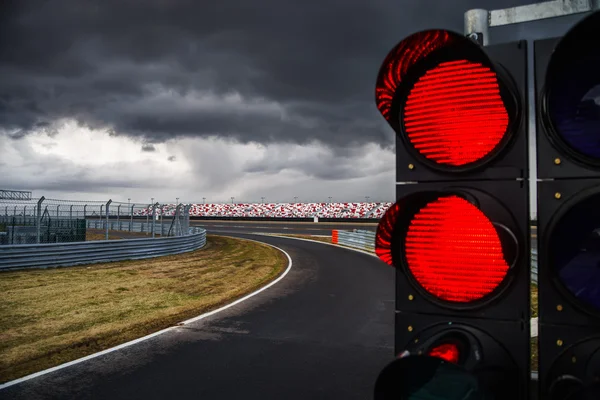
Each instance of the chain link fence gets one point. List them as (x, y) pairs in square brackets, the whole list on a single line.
[(42, 220)]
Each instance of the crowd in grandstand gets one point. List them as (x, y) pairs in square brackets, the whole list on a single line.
[(281, 210)]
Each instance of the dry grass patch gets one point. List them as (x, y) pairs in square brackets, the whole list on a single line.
[(56, 315), (89, 236), (100, 234)]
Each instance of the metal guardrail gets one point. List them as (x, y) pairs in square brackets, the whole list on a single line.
[(357, 238), (365, 240), (79, 253), (534, 266)]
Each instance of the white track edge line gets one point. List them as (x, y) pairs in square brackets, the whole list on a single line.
[(143, 338), (251, 294)]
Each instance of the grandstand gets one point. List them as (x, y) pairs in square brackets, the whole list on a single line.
[(281, 210)]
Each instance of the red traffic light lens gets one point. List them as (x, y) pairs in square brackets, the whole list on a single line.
[(447, 351), (454, 114), (454, 251), (404, 55), (385, 232)]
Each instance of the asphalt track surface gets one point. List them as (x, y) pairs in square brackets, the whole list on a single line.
[(302, 228), (323, 332)]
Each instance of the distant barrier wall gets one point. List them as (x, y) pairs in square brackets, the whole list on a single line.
[(285, 219), (80, 253)]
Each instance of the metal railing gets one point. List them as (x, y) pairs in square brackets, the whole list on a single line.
[(360, 239), (80, 253), (36, 221), (534, 266), (365, 240)]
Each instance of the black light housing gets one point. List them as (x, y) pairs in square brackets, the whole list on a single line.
[(479, 92), (458, 233), (568, 157)]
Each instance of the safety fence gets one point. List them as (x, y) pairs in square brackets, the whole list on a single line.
[(78, 253), (152, 227), (37, 221), (365, 240)]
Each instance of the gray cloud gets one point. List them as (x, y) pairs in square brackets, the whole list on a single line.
[(303, 72), (266, 72), (148, 148), (325, 165)]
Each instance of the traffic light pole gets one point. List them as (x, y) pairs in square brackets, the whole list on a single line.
[(478, 21)]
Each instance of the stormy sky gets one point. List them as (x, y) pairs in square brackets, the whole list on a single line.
[(192, 98)]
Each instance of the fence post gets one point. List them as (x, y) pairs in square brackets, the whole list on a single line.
[(131, 219), (118, 217), (147, 217), (178, 226), (71, 212), (187, 219), (162, 212), (107, 207), (84, 207), (154, 217), (38, 221), (174, 221)]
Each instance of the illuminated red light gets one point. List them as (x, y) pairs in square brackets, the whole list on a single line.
[(454, 115), (385, 231), (447, 351), (454, 252), (400, 59)]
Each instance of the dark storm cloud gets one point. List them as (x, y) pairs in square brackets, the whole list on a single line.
[(343, 164), (108, 64)]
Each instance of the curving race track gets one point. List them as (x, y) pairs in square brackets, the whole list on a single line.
[(322, 332), (305, 228)]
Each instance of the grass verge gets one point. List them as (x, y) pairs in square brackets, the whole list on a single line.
[(57, 315), (100, 234)]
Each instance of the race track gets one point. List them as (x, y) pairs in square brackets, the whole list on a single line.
[(305, 228), (322, 332)]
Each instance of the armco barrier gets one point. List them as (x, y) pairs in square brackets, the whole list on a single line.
[(357, 238), (534, 266), (365, 240), (79, 253)]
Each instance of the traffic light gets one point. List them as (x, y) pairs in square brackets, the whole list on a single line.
[(567, 77), (458, 234)]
